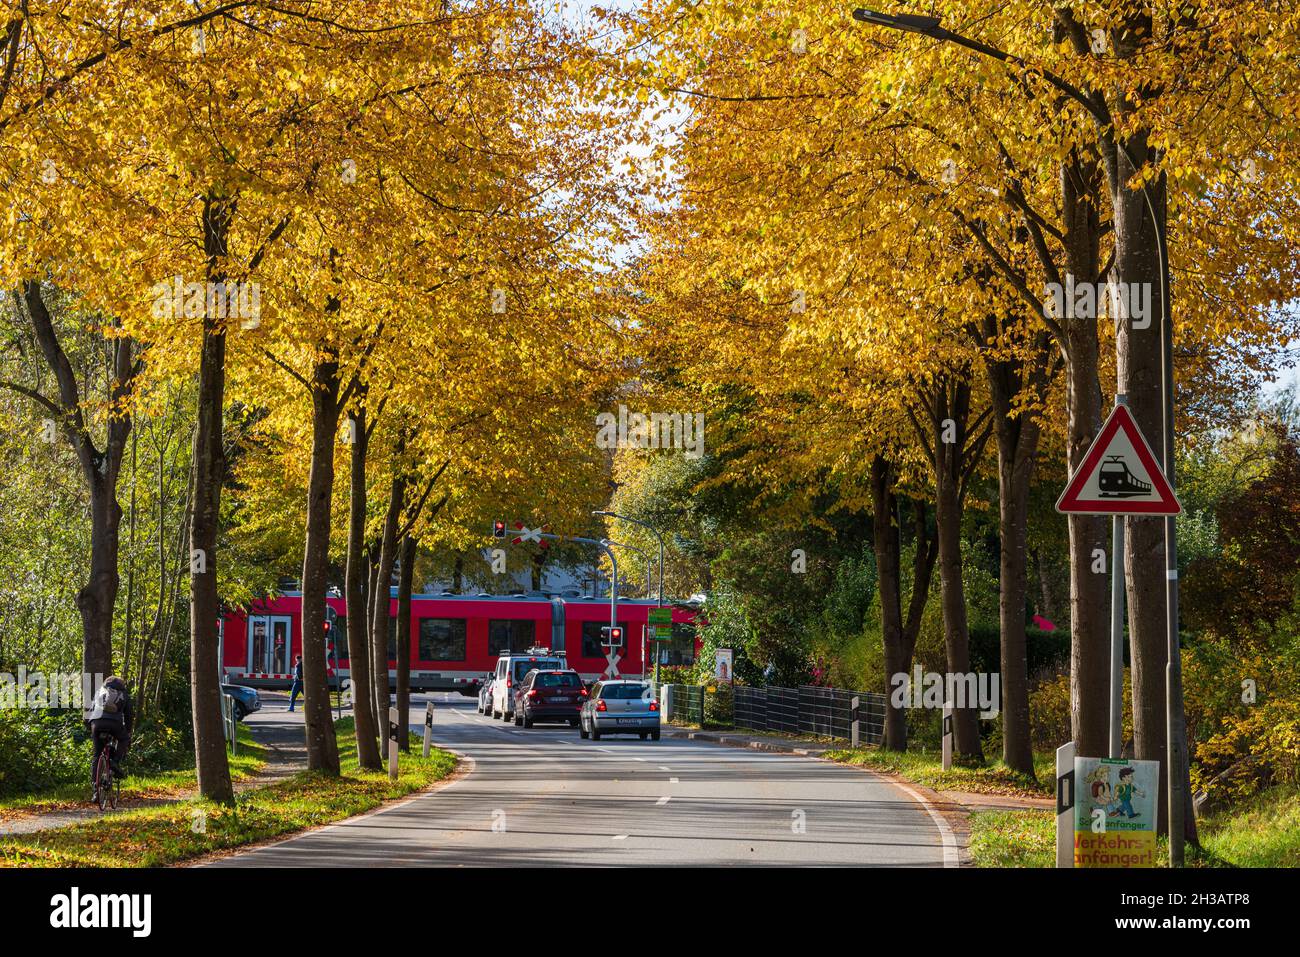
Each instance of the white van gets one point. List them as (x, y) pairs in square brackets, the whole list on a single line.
[(511, 669)]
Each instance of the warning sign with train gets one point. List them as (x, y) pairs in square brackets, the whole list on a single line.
[(1119, 475)]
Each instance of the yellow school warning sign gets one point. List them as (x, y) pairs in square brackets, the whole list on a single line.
[(1115, 812)]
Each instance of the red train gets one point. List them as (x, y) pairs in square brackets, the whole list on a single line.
[(455, 639)]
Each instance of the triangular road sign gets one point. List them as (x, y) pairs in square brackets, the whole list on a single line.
[(1119, 475)]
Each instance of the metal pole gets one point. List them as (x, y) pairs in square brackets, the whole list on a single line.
[(1117, 627), (659, 535), (1117, 637), (1176, 732)]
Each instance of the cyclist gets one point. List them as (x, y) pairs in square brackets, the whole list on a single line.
[(111, 714)]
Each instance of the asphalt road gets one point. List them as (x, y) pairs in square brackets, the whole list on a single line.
[(542, 796)]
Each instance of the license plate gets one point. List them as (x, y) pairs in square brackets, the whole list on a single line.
[(562, 699), (629, 720)]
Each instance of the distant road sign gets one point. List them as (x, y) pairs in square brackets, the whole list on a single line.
[(1119, 475), (661, 616)]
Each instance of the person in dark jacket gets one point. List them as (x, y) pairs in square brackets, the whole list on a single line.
[(112, 714), (296, 688)]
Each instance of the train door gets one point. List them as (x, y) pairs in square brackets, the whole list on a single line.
[(270, 644)]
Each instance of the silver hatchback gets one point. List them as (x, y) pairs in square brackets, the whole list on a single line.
[(620, 707)]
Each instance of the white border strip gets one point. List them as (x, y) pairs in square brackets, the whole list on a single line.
[(950, 856)]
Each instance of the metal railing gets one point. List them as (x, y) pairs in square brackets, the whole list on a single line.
[(824, 712), (686, 704)]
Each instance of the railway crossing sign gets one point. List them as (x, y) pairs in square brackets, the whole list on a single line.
[(1119, 474)]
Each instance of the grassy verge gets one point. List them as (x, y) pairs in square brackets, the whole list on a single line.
[(1263, 831), (163, 835), (926, 769), (166, 784)]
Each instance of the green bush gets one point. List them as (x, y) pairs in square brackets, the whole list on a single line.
[(40, 750)]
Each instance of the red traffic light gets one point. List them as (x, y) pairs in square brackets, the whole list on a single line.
[(498, 529)]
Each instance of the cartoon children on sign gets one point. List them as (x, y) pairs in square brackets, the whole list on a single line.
[(1115, 818)]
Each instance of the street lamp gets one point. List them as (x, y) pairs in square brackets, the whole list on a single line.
[(658, 535), (931, 27)]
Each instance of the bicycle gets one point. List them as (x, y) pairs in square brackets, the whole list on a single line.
[(108, 789)]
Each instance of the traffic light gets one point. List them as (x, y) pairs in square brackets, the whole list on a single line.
[(498, 529), (611, 636)]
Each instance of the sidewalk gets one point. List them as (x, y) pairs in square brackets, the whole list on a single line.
[(948, 800), (273, 727)]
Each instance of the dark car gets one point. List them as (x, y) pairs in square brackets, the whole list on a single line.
[(247, 700), (549, 696)]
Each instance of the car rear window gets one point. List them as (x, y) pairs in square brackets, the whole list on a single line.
[(560, 679), (623, 692), (523, 667)]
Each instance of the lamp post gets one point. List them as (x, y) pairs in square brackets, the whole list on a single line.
[(1176, 735), (657, 534)]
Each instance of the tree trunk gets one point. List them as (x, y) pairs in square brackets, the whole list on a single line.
[(898, 634), (383, 600), (100, 471), (885, 543), (1017, 448), (1010, 378), (208, 474), (1139, 358), (363, 699), (322, 745), (1089, 595), (956, 632), (404, 580)]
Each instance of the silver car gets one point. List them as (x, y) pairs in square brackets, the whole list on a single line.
[(620, 707)]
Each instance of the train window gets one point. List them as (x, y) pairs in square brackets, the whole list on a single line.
[(510, 634), (392, 638), (591, 646), (442, 639)]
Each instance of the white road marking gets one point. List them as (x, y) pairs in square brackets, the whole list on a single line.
[(662, 801), (673, 781), (950, 857), (619, 837), (663, 768)]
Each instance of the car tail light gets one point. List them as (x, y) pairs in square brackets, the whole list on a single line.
[(600, 705), (654, 705), (534, 694), (582, 692)]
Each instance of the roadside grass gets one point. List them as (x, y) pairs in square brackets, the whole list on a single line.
[(1013, 838), (158, 836), (166, 784), (926, 769), (1263, 831)]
